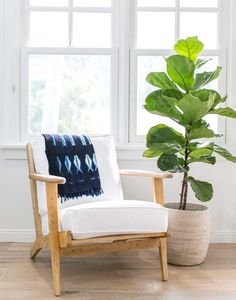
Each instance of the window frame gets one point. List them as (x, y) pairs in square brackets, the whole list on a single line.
[(13, 74), (26, 51), (221, 53)]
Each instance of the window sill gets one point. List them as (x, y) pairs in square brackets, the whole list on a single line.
[(124, 152)]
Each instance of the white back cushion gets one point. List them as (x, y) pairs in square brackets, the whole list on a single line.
[(108, 169)]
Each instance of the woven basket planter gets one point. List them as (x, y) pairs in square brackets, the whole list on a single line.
[(189, 232)]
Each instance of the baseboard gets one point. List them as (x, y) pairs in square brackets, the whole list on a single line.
[(17, 235), (28, 235)]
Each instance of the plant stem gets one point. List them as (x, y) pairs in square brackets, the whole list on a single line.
[(184, 189), (185, 193), (181, 195)]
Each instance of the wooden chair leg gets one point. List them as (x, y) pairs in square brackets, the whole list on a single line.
[(36, 247), (163, 259), (52, 195), (56, 273)]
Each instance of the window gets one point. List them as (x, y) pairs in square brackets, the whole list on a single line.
[(68, 56), (84, 62), (157, 24)]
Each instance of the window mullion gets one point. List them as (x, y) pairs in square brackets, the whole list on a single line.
[(70, 20), (49, 8), (155, 9), (93, 9), (177, 19), (132, 128), (222, 38), (25, 24), (124, 42)]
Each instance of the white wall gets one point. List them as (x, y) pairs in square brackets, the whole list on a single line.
[(16, 222)]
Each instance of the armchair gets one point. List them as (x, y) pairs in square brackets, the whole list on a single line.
[(117, 224)]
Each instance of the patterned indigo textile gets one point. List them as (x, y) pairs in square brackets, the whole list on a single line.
[(73, 157)]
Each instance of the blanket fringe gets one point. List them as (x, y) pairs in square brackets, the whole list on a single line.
[(93, 192)]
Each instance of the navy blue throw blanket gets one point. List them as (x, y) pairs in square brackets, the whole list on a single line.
[(73, 157)]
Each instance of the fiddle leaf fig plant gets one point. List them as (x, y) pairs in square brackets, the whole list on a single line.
[(182, 96)]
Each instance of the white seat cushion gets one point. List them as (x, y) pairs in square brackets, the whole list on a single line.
[(108, 169), (111, 218)]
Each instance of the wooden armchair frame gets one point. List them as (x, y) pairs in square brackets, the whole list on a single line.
[(63, 244)]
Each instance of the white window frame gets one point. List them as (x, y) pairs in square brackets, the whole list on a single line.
[(14, 108), (221, 52), (26, 51)]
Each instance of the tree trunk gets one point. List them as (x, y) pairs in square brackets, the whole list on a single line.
[(184, 191)]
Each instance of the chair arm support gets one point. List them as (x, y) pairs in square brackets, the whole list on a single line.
[(157, 182), (145, 174), (51, 184), (47, 178)]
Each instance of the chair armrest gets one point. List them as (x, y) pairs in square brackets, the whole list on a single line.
[(47, 178), (157, 182), (145, 174)]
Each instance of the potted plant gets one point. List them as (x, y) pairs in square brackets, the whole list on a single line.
[(183, 97)]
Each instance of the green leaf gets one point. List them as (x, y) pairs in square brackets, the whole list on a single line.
[(161, 80), (197, 124), (204, 78), (226, 112), (205, 94), (164, 139), (223, 152), (208, 160), (203, 190), (219, 100), (181, 70), (190, 47), (159, 104), (193, 108), (213, 147), (150, 153), (201, 132), (201, 152), (201, 62), (176, 94), (170, 163)]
